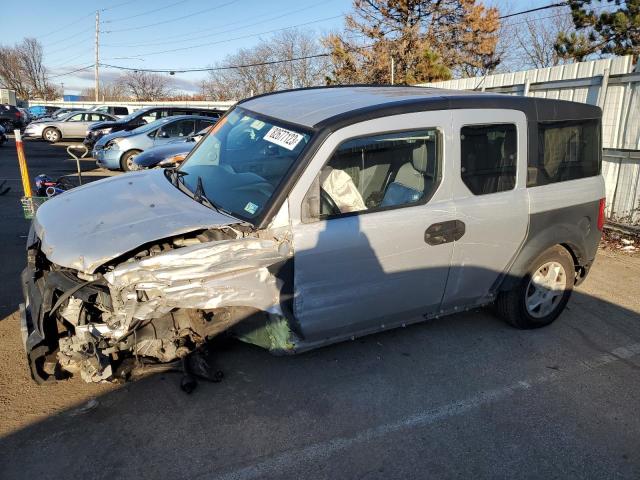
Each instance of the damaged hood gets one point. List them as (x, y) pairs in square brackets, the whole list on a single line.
[(90, 225)]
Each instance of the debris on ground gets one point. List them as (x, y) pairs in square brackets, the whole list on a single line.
[(620, 241)]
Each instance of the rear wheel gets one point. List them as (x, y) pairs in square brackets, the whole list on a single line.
[(126, 161), (542, 294), (51, 135)]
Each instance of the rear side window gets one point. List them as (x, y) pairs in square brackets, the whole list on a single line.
[(489, 157), (120, 111), (567, 151)]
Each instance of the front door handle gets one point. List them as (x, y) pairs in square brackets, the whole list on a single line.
[(444, 232)]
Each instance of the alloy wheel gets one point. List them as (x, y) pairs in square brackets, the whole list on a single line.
[(545, 289)]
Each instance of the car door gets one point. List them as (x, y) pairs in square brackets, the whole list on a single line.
[(174, 130), (75, 126), (365, 218), (489, 157), (91, 118)]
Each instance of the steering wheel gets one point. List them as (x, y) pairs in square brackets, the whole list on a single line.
[(326, 202)]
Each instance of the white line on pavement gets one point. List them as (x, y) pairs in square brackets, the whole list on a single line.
[(279, 464)]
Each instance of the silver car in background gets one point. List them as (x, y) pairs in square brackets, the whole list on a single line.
[(71, 125)]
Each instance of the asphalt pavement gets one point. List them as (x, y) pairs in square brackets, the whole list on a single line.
[(459, 397)]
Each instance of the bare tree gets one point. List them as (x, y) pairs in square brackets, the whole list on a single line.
[(22, 69), (108, 91), (146, 86), (31, 58), (11, 75), (280, 62), (536, 38)]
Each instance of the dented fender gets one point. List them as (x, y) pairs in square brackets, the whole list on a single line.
[(211, 275)]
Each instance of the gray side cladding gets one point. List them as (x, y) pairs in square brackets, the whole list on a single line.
[(574, 227)]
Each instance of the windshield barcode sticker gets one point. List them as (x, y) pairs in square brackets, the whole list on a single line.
[(283, 137), (251, 208)]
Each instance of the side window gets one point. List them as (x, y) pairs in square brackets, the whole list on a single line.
[(120, 111), (181, 128), (76, 118), (489, 157), (104, 108), (566, 151), (200, 124), (151, 116), (377, 172), (94, 117)]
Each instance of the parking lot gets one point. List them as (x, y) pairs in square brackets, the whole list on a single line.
[(464, 396)]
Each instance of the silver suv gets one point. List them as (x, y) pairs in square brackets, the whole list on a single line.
[(313, 216)]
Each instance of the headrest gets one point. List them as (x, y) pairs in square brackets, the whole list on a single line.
[(420, 158)]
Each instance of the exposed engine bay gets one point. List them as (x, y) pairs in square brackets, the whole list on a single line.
[(157, 304)]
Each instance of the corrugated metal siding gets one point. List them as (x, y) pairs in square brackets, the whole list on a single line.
[(620, 105), (621, 171)]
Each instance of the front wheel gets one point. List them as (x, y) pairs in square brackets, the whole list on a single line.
[(51, 135), (126, 162), (542, 294)]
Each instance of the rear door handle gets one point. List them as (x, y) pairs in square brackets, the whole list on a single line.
[(444, 232)]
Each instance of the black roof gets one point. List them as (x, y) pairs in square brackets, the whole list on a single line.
[(329, 107)]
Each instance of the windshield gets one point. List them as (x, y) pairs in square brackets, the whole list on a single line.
[(242, 162)]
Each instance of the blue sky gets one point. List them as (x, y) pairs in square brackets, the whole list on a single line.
[(199, 33)]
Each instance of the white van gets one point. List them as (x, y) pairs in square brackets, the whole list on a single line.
[(311, 216)]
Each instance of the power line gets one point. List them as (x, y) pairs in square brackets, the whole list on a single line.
[(83, 17), (66, 49), (235, 38), (213, 69), (218, 32), (546, 7), (69, 38), (121, 4), (172, 20), (72, 71), (230, 67), (129, 17), (64, 27)]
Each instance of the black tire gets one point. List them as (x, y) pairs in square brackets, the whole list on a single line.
[(515, 305), (126, 159), (51, 135)]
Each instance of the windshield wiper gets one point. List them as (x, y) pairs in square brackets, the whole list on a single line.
[(174, 175), (201, 197)]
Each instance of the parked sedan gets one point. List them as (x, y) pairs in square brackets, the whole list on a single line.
[(117, 150), (72, 125), (168, 155)]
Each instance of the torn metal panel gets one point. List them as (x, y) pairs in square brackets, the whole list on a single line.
[(85, 227), (206, 276)]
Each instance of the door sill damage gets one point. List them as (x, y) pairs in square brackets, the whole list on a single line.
[(156, 308)]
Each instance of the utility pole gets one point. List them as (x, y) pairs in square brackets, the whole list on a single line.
[(97, 54), (393, 71)]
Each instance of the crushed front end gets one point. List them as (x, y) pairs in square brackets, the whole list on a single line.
[(156, 304)]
